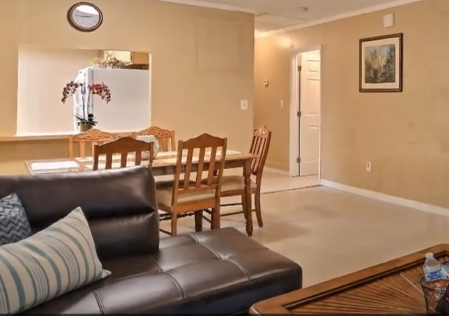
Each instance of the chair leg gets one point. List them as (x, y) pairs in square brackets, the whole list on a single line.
[(258, 208), (199, 221), (213, 216), (217, 218), (174, 224), (244, 206)]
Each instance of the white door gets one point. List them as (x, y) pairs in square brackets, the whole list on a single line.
[(309, 122)]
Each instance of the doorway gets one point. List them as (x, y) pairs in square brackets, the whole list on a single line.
[(305, 112)]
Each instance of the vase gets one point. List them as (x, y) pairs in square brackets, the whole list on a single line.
[(150, 139), (84, 127)]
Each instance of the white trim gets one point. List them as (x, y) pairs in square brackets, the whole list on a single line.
[(294, 105), (277, 171), (387, 198), (211, 5), (375, 8), (294, 108)]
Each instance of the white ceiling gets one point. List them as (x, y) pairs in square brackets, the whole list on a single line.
[(273, 15)]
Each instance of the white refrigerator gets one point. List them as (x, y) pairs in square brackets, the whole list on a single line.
[(130, 106)]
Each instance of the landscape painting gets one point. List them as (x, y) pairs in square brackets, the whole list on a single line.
[(381, 64)]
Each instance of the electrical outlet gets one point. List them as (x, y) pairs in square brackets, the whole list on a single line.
[(368, 166), (244, 105)]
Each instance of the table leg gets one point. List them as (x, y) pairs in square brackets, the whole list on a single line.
[(248, 199)]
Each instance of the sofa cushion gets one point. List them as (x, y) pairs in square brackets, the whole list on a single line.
[(48, 264), (220, 271), (120, 205), (14, 225)]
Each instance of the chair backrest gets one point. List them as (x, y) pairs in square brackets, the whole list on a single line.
[(165, 137), (93, 136), (123, 146), (259, 147), (202, 154)]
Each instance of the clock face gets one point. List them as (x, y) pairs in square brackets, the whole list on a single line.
[(85, 17)]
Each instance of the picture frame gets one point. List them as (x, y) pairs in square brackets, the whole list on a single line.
[(381, 63)]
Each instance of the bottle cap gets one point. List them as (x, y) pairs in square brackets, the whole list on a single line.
[(429, 255)]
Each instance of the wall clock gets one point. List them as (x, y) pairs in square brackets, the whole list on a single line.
[(85, 17)]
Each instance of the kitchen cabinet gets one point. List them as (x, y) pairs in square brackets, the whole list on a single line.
[(122, 55), (130, 57), (140, 58)]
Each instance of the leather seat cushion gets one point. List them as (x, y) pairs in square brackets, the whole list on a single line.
[(215, 271)]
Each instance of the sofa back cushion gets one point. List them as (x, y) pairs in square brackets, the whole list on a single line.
[(119, 204)]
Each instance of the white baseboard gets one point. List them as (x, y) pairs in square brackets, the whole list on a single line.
[(387, 198), (277, 171)]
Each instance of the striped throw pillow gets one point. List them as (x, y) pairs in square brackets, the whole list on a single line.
[(48, 264)]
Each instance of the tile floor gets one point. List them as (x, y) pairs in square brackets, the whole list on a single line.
[(273, 182), (332, 233)]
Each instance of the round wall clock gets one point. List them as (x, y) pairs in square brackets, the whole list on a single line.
[(85, 17)]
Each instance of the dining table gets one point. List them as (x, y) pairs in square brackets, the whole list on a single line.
[(163, 164)]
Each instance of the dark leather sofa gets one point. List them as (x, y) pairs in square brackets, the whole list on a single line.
[(221, 271)]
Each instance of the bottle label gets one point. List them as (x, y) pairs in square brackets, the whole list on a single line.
[(435, 275)]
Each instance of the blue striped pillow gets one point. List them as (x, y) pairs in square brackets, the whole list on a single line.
[(48, 264)]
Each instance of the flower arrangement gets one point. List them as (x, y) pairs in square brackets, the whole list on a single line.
[(87, 94), (108, 61)]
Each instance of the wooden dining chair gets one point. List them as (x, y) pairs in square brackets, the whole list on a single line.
[(187, 194), (235, 186), (123, 146), (165, 137), (93, 136)]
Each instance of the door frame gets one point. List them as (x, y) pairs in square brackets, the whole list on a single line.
[(294, 107)]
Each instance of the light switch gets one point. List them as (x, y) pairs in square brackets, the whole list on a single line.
[(244, 105), (389, 20)]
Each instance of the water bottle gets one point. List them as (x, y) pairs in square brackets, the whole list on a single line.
[(432, 268)]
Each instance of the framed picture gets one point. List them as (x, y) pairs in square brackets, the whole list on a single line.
[(381, 63)]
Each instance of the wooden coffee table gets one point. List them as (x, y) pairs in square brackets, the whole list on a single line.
[(387, 288)]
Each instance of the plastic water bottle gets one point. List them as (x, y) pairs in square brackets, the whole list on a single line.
[(432, 268)]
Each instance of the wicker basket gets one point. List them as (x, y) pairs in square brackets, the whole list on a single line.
[(436, 295)]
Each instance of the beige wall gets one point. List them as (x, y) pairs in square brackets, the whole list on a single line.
[(42, 74), (202, 61), (405, 135)]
